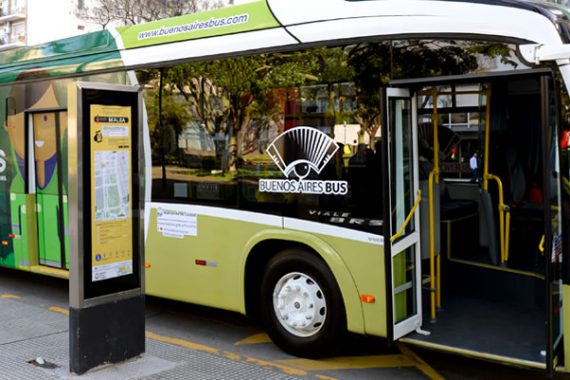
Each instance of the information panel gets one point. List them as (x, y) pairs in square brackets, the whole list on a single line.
[(111, 184), (106, 224), (106, 192)]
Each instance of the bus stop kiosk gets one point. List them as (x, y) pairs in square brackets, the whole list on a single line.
[(106, 224)]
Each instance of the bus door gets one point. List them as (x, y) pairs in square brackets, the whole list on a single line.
[(402, 238), (551, 245), (48, 130)]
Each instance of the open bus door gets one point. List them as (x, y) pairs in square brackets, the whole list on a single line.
[(524, 291), (402, 237), (552, 244)]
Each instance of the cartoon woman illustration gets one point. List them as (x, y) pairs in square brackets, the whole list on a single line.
[(40, 96)]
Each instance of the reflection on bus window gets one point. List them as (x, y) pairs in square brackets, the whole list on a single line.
[(213, 122), (213, 125)]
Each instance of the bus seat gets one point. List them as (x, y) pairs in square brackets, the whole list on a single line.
[(517, 177), (459, 200)]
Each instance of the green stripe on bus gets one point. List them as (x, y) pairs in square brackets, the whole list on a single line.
[(239, 18)]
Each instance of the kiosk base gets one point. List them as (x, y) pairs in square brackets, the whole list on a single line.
[(108, 333)]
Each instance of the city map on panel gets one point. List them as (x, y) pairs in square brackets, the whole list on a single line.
[(112, 182)]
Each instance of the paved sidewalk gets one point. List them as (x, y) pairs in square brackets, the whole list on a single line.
[(29, 332)]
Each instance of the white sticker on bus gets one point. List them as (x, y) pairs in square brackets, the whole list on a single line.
[(176, 223)]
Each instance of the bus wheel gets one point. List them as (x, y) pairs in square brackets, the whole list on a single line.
[(301, 305)]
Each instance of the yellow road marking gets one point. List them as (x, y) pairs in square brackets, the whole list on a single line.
[(54, 272), (60, 310), (407, 359), (420, 363), (226, 354), (352, 362), (182, 343), (474, 354), (10, 296), (323, 377), (254, 339), (211, 350), (296, 367), (265, 363)]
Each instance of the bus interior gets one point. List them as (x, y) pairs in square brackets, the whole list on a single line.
[(484, 286)]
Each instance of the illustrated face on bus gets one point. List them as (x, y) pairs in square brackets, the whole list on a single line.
[(44, 123), (14, 125)]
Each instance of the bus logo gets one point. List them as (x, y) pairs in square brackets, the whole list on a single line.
[(312, 150), (298, 153)]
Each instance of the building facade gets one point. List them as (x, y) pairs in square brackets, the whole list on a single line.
[(30, 22)]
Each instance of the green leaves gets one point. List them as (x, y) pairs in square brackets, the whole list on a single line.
[(243, 96)]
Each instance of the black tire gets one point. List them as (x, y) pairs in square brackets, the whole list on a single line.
[(291, 267)]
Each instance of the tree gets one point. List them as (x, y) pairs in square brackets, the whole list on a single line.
[(333, 69), (174, 116), (239, 97), (372, 66), (129, 12), (376, 64), (204, 99)]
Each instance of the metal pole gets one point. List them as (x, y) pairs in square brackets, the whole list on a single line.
[(162, 132)]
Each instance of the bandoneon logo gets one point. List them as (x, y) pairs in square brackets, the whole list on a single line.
[(298, 153)]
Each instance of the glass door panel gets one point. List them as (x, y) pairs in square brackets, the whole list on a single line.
[(554, 234), (400, 120)]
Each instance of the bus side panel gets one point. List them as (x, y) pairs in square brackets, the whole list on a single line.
[(206, 266), (338, 267), (23, 213), (365, 263), (13, 201), (200, 266)]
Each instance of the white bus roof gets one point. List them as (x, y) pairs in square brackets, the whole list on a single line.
[(275, 24)]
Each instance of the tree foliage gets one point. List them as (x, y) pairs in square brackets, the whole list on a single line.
[(242, 97), (372, 69), (129, 12), (227, 95)]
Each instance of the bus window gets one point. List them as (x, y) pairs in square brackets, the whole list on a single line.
[(211, 135)]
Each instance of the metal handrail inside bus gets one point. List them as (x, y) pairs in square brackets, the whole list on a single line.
[(504, 211), (435, 291), (408, 218), (504, 219)]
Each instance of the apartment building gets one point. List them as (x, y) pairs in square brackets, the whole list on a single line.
[(30, 22)]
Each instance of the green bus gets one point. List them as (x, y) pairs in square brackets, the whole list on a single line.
[(390, 168)]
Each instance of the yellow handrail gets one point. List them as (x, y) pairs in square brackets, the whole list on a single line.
[(504, 219), (435, 123), (504, 210), (507, 232), (487, 137), (541, 245), (432, 284), (435, 293), (408, 218)]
